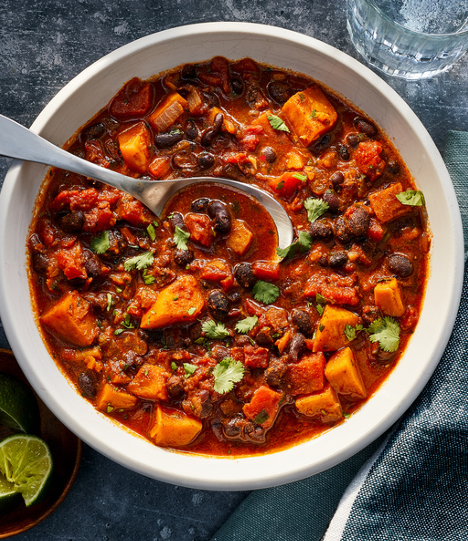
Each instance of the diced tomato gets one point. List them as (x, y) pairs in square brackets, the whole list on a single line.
[(133, 211), (256, 129), (71, 262), (75, 199), (245, 65), (253, 308), (240, 157), (250, 142), (218, 271), (368, 159), (220, 65), (99, 218), (200, 228), (133, 101), (375, 231), (287, 184), (266, 270), (256, 357)]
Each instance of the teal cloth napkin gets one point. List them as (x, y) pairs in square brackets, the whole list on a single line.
[(411, 485)]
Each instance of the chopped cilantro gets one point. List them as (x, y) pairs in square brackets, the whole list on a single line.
[(265, 292), (261, 417), (214, 330), (280, 185), (191, 311), (110, 302), (412, 198), (100, 244), (313, 114), (320, 299), (320, 309), (189, 369), (151, 232), (346, 415), (173, 366), (139, 262), (181, 237), (315, 208), (127, 323), (277, 124), (350, 331), (301, 245), (226, 373), (386, 332), (118, 331), (147, 278), (245, 325), (300, 176)]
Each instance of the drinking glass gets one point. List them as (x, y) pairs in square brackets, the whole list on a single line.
[(412, 39)]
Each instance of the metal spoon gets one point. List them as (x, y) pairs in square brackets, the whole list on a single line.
[(16, 141)]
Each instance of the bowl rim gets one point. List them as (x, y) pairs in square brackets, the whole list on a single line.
[(227, 473)]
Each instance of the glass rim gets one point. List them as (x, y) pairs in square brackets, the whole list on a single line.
[(427, 35)]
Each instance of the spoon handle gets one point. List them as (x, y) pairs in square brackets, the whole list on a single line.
[(19, 142)]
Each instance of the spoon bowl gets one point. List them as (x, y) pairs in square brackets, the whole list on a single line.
[(18, 142)]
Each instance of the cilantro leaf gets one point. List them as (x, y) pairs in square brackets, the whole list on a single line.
[(350, 331), (151, 232), (139, 262), (315, 208), (320, 299), (300, 176), (245, 325), (277, 124), (181, 237), (189, 369), (191, 310), (148, 278), (320, 309), (412, 198), (214, 330), (265, 292), (261, 417), (386, 332), (100, 244), (226, 373), (301, 245)]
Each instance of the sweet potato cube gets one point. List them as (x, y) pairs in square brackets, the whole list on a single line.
[(344, 375), (110, 398), (200, 228), (150, 382), (330, 334), (180, 302), (173, 428), (306, 376), (263, 407), (386, 206), (71, 320), (387, 296), (134, 145), (324, 404), (240, 238), (167, 112), (310, 114)]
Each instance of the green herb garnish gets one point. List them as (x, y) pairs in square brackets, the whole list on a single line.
[(412, 198), (315, 208), (386, 332), (301, 245), (214, 330), (181, 237), (189, 369), (226, 373), (277, 124), (100, 244), (139, 262), (245, 325), (265, 292)]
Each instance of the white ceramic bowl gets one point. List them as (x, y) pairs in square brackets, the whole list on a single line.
[(91, 90)]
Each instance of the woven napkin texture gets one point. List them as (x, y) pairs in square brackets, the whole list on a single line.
[(417, 488)]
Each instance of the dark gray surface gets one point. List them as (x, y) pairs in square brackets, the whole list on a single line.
[(43, 46)]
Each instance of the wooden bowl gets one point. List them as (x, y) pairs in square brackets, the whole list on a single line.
[(66, 451)]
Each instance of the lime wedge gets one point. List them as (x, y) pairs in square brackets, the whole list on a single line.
[(26, 463), (18, 406), (9, 498)]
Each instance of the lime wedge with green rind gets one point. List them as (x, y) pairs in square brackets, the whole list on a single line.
[(26, 463), (18, 406), (9, 497)]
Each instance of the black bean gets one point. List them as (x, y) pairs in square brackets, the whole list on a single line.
[(208, 137), (232, 428), (243, 273), (184, 159), (264, 338), (393, 167), (218, 122), (40, 262), (117, 245), (94, 132), (321, 230), (188, 72), (218, 304), (297, 347), (353, 139), (212, 99), (333, 201), (72, 222), (323, 142), (358, 222), (183, 257), (337, 180), (92, 264), (337, 259), (364, 126), (343, 152), (279, 92), (167, 140), (303, 321), (199, 205), (323, 260), (87, 384), (175, 387), (191, 130), (235, 297), (205, 160), (176, 219), (231, 170), (269, 153), (218, 212), (341, 231), (274, 374), (400, 265), (237, 86)]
